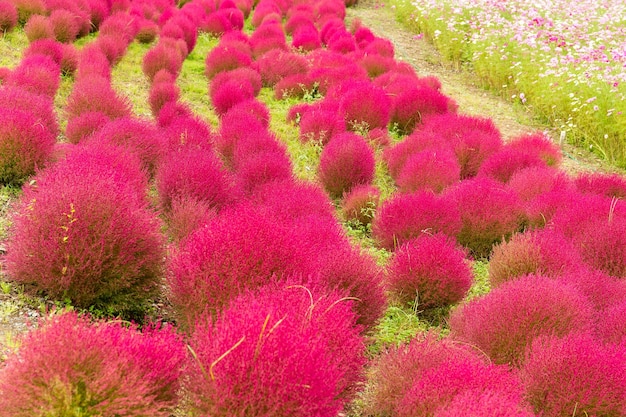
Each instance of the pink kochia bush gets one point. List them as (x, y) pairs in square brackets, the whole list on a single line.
[(504, 322), (99, 368), (8, 16), (489, 213), (364, 106), (38, 74), (575, 375), (609, 185), (288, 350), (428, 374), (25, 145), (85, 233), (487, 403), (431, 170), (346, 161), (196, 173), (360, 203), (406, 216), (96, 94), (430, 271)]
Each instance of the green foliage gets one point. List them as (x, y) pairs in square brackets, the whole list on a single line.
[(481, 285)]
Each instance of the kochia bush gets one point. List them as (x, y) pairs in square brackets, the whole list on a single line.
[(430, 271), (99, 368), (8, 16), (504, 322)]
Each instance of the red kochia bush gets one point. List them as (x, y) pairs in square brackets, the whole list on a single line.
[(575, 374), (437, 387), (162, 93), (321, 124), (278, 64), (407, 216), (609, 185), (8, 16), (40, 107), (96, 95), (306, 38), (539, 145), (503, 164), (100, 368), (611, 326), (504, 322), (283, 351), (489, 213), (361, 203), (25, 145), (196, 173), (396, 156), (394, 372), (431, 170), (296, 85), (415, 104), (365, 106), (64, 25), (240, 75), (38, 27), (346, 161), (38, 74), (85, 233), (484, 403), (226, 57), (83, 126), (27, 8), (163, 56), (263, 167), (545, 252), (241, 249), (186, 215), (529, 183), (229, 92), (48, 47), (430, 271)]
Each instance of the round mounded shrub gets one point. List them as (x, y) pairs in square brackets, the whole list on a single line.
[(196, 173), (38, 74), (503, 164), (8, 16), (186, 215), (365, 106), (575, 375), (407, 216), (100, 368), (95, 94), (346, 161), (543, 252), (25, 145), (540, 145), (609, 185), (38, 27), (489, 213), (484, 403), (288, 350), (504, 322), (84, 126), (430, 170), (86, 235), (430, 271), (416, 103), (360, 203)]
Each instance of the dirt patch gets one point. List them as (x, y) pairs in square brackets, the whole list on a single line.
[(463, 87)]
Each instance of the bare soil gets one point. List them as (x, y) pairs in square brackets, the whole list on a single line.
[(463, 86)]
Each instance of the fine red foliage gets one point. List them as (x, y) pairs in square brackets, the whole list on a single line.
[(396, 156), (39, 107), (505, 163), (407, 216), (87, 235), (225, 57), (193, 173), (25, 146), (430, 170), (346, 161), (296, 86), (38, 74), (92, 62), (229, 92), (543, 252), (540, 145), (429, 272), (8, 16), (96, 95), (82, 127), (64, 25), (240, 75), (360, 203), (306, 38), (320, 124), (504, 322), (263, 167), (101, 368), (575, 374), (147, 32), (186, 215), (484, 403), (162, 93), (163, 56), (28, 8), (414, 104), (278, 64), (365, 106), (608, 185), (489, 213), (530, 183), (306, 336), (267, 37), (38, 27), (48, 47)]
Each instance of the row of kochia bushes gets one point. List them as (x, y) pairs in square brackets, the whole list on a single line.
[(274, 306)]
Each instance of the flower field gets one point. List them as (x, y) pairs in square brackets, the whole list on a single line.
[(253, 208), (565, 60)]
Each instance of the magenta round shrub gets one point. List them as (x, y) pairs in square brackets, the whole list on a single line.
[(8, 16), (360, 203), (503, 164), (529, 183), (97, 95), (64, 25), (429, 271), (28, 8), (489, 213), (38, 74), (239, 75), (611, 324), (379, 137), (541, 210), (295, 86), (602, 290), (609, 185), (25, 146), (267, 37), (380, 46), (278, 64), (112, 46), (565, 376), (543, 252), (92, 62), (320, 125), (138, 136), (39, 107), (504, 322), (84, 126), (306, 39), (162, 93), (148, 31), (196, 173), (240, 250), (230, 92), (540, 145), (407, 216), (306, 337), (396, 155), (436, 388), (365, 106), (429, 170), (394, 372), (100, 368), (38, 27), (262, 168), (161, 57), (236, 126), (484, 403), (187, 131), (376, 65), (252, 144), (346, 161), (186, 215), (83, 235), (48, 47), (415, 104)]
